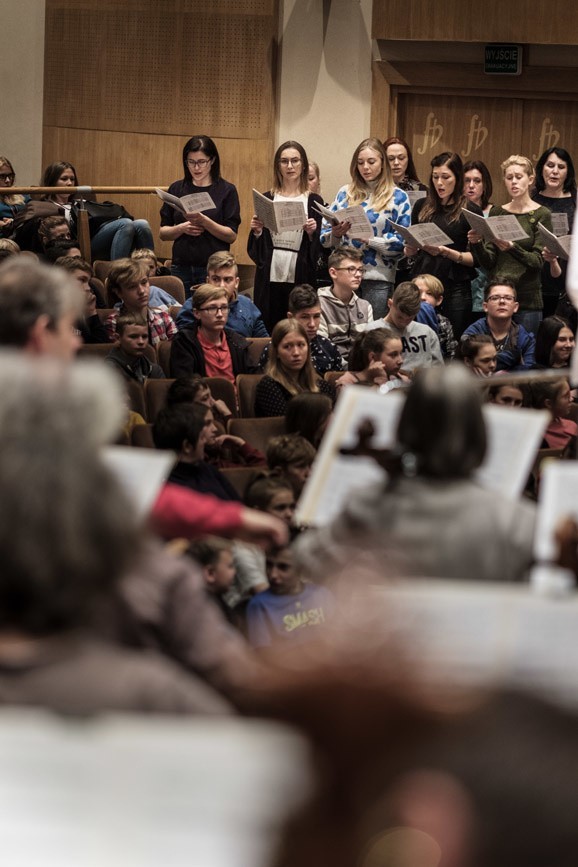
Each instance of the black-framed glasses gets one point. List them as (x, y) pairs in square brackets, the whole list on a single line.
[(352, 270), (286, 161), (213, 309), (7, 178), (496, 298), (198, 164)]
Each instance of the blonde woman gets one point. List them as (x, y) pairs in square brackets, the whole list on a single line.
[(519, 261), (373, 188), (10, 204), (289, 370)]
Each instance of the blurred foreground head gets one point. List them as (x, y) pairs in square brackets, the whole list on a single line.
[(66, 530)]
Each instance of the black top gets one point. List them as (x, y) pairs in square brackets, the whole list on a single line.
[(204, 478), (450, 273), (189, 250)]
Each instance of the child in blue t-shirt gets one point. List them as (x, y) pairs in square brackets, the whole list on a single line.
[(291, 609)]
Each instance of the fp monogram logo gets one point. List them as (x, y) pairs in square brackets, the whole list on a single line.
[(549, 138), (433, 133), (477, 135)]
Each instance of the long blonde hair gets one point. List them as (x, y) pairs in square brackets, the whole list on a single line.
[(358, 191), (307, 379)]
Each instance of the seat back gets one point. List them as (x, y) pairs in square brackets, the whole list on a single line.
[(101, 350), (173, 285), (223, 389), (246, 389), (257, 431), (256, 347), (241, 477), (164, 356), (155, 392), (142, 436)]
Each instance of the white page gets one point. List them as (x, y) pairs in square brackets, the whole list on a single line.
[(329, 215), (143, 791), (194, 203), (514, 437), (503, 228), (560, 224), (141, 472), (174, 201), (558, 499), (360, 229), (560, 246), (422, 235), (279, 217)]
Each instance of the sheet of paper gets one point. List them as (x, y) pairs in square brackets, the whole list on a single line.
[(558, 499), (560, 224), (559, 245), (423, 235), (329, 215), (514, 437), (415, 195), (192, 204), (360, 229), (141, 472), (279, 217), (503, 228)]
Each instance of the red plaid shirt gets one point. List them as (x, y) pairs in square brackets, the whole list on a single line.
[(161, 326)]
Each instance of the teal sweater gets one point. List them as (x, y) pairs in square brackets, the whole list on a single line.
[(522, 264)]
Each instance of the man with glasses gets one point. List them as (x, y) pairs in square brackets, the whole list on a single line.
[(207, 347), (514, 344), (342, 311)]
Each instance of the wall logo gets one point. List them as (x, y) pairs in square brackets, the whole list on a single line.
[(549, 138), (432, 134), (476, 136)]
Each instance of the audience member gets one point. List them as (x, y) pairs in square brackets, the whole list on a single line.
[(194, 389), (555, 396), (432, 293), (90, 326), (479, 354), (208, 347), (342, 311), (291, 456), (308, 415), (554, 343), (10, 203), (244, 317), (157, 297), (375, 359), (60, 249), (289, 370), (215, 557), (128, 279), (513, 396), (515, 345), (420, 344), (128, 355), (8, 248)]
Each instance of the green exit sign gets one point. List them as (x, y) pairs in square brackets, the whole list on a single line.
[(503, 59)]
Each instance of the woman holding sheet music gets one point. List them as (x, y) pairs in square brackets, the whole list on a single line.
[(285, 259), (520, 261), (372, 188), (203, 233), (453, 265), (556, 190)]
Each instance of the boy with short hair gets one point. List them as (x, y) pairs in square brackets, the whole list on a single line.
[(208, 346), (158, 297), (515, 346), (91, 328), (244, 316), (304, 305), (128, 279), (128, 355), (292, 609), (420, 344), (432, 294), (291, 456), (342, 311), (215, 557)]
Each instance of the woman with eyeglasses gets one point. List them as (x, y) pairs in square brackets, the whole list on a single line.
[(372, 187), (10, 204), (201, 233), (286, 259)]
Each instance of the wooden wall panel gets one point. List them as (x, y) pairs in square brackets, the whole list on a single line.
[(126, 84), (540, 22)]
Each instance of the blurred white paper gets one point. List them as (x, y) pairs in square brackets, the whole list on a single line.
[(558, 499), (141, 472)]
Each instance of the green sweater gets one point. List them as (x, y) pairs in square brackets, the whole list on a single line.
[(522, 264)]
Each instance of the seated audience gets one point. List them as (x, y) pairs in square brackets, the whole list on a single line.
[(208, 346), (308, 415), (186, 430), (128, 356), (157, 297), (291, 456), (514, 396), (515, 345), (8, 248), (289, 370), (244, 316), (432, 293), (39, 308), (292, 609), (215, 557), (420, 344), (90, 326), (554, 343), (555, 396), (10, 203), (342, 311), (194, 389), (59, 249), (273, 495), (375, 359), (304, 306), (52, 229), (430, 517), (129, 280), (479, 354)]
